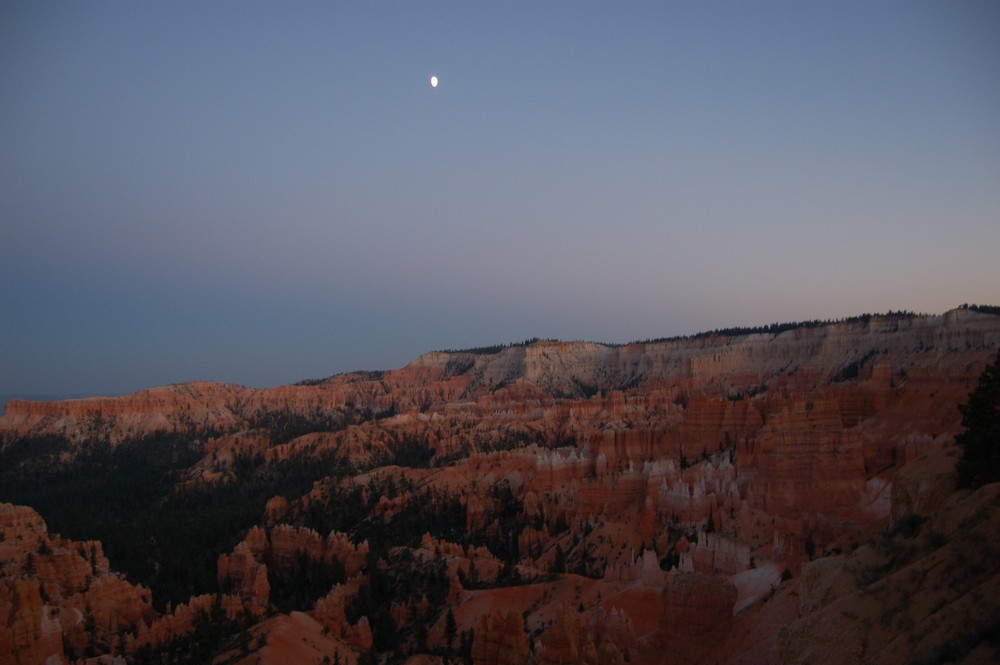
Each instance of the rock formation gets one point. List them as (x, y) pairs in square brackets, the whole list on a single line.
[(653, 502), (58, 598), (923, 592)]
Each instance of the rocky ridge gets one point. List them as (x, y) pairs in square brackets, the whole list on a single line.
[(564, 502)]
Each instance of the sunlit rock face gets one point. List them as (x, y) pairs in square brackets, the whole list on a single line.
[(57, 596), (566, 502)]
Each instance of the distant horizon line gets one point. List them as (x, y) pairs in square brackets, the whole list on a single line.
[(731, 331)]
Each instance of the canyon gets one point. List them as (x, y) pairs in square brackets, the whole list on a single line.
[(777, 495)]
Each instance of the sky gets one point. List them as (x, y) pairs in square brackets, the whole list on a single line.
[(262, 192)]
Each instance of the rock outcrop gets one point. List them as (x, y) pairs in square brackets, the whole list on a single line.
[(57, 594), (693, 605), (567, 501), (30, 632), (500, 640), (921, 593)]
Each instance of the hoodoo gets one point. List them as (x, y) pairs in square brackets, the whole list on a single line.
[(715, 498)]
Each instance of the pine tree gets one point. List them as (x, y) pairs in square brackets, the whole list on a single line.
[(980, 442), (450, 629), (559, 564)]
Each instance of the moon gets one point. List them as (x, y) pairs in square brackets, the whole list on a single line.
[(434, 81)]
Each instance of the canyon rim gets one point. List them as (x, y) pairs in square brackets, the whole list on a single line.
[(772, 495)]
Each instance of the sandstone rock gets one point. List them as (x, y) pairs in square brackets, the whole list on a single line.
[(922, 486), (30, 632), (183, 619), (500, 640), (807, 461), (562, 642), (720, 364), (330, 611), (287, 543), (240, 573), (694, 604), (910, 596), (74, 580), (700, 452)]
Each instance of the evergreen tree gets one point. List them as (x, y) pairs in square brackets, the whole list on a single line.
[(450, 629), (559, 564), (473, 573), (980, 442), (465, 645)]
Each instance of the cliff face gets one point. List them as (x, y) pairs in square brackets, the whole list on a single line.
[(567, 502), (58, 598), (918, 349), (923, 592)]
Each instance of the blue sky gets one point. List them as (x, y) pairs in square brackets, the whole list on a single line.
[(262, 192)]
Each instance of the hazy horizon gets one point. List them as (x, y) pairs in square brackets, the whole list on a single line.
[(260, 194), (45, 397)]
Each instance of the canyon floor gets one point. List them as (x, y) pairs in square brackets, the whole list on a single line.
[(773, 495)]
